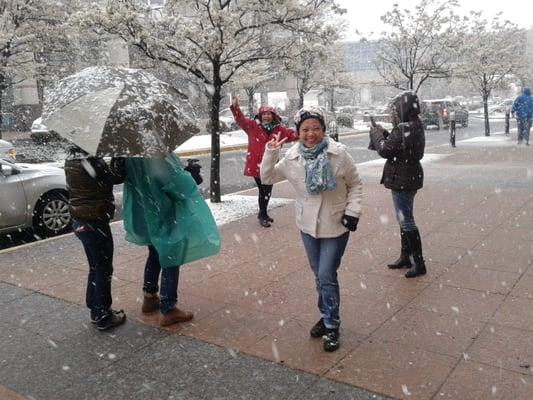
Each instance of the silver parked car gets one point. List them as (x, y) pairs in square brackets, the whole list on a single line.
[(41, 134), (33, 196)]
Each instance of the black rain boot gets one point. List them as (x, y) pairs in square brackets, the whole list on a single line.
[(415, 245), (404, 260)]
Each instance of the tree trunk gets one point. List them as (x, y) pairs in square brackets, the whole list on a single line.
[(300, 100), (250, 93), (214, 183), (332, 99), (485, 94), (486, 117), (1, 119), (2, 81)]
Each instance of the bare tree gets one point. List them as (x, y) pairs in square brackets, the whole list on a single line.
[(252, 78), (211, 40), (492, 52), (308, 57), (420, 44)]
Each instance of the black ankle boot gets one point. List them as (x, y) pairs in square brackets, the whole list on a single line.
[(403, 260), (415, 245)]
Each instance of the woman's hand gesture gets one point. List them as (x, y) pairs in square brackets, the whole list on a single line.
[(234, 101), (276, 142)]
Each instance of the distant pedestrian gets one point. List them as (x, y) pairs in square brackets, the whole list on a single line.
[(523, 111), (90, 184), (260, 130), (403, 174), (328, 206), (164, 210)]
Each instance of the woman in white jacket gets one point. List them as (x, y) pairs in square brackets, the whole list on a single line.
[(328, 206)]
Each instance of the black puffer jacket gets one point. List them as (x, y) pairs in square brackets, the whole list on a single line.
[(90, 184), (403, 148)]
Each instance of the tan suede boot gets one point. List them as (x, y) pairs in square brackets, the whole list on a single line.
[(150, 303), (174, 316)]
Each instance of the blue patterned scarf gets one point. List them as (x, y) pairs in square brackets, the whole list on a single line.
[(318, 173)]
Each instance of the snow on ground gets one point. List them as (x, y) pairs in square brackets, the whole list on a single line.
[(428, 157), (496, 139), (239, 138), (203, 142), (234, 207)]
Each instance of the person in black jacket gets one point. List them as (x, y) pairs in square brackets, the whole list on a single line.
[(403, 174), (91, 204)]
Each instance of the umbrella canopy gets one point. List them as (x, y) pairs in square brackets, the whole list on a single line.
[(111, 111)]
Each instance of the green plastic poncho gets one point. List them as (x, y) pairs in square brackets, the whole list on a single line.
[(164, 208)]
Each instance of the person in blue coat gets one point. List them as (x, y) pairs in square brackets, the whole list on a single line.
[(523, 112), (164, 210)]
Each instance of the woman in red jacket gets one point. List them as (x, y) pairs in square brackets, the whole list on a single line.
[(259, 131)]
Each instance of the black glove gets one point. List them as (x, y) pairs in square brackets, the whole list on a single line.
[(193, 168), (350, 222)]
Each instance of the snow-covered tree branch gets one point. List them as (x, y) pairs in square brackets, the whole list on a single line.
[(210, 40)]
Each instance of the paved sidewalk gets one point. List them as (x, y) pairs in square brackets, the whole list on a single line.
[(463, 331)]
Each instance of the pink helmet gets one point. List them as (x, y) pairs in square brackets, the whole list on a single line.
[(264, 109)]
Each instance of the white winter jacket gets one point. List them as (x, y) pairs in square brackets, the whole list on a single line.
[(318, 215)]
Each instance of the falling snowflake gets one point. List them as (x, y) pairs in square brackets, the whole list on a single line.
[(275, 351), (405, 390)]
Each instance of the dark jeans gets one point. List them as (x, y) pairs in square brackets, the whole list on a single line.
[(325, 258), (97, 241), (265, 191), (169, 281), (524, 126), (403, 206)]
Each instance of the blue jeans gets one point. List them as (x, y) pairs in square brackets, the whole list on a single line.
[(325, 258), (403, 206), (169, 281), (97, 242), (524, 126)]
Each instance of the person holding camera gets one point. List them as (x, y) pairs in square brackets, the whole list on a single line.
[(328, 206), (403, 148)]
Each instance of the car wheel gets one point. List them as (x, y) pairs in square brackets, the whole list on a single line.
[(51, 215)]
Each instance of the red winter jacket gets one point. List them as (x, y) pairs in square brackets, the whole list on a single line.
[(257, 140)]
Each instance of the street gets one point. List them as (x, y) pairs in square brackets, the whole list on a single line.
[(232, 162)]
